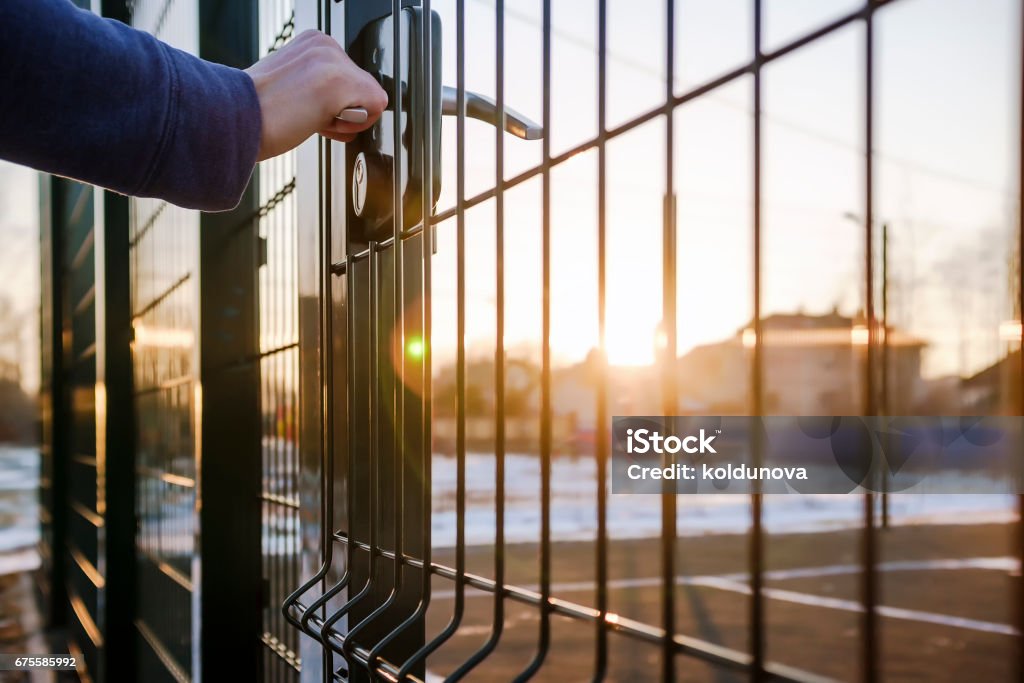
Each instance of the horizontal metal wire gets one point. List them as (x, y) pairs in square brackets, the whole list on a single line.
[(150, 305), (622, 129), (174, 668), (284, 36), (279, 649), (283, 501), (382, 668), (652, 114), (140, 231), (264, 209), (684, 645), (672, 643)]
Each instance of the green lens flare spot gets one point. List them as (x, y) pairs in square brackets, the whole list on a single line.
[(414, 348)]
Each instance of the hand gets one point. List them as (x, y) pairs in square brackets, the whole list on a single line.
[(303, 86)]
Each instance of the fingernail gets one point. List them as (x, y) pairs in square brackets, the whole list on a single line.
[(353, 115)]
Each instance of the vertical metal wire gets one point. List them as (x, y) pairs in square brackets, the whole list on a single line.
[(326, 206), (544, 630), (884, 404), (351, 447), (499, 341), (756, 549), (427, 246), (398, 385), (327, 350), (498, 620), (398, 201), (460, 276), (869, 587), (327, 373), (601, 428), (668, 359), (426, 235), (278, 457), (460, 364), (273, 385), (326, 360), (1019, 536), (327, 634), (348, 642)]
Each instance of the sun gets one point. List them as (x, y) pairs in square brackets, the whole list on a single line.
[(626, 345)]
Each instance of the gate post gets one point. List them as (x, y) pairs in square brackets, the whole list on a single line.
[(230, 585)]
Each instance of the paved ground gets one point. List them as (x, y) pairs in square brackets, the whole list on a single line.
[(21, 625), (946, 616), (20, 622), (946, 595)]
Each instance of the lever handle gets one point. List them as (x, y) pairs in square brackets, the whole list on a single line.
[(484, 109), (478, 107)]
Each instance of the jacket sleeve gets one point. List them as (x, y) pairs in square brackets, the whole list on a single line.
[(98, 101)]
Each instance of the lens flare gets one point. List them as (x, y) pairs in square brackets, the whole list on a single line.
[(414, 348)]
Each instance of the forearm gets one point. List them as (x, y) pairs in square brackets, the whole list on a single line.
[(97, 101)]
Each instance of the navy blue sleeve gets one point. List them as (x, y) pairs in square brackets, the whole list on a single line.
[(98, 101)]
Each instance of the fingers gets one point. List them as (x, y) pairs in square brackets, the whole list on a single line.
[(368, 96), (339, 126), (372, 96), (338, 137), (304, 85), (357, 88), (362, 91), (309, 35), (340, 82)]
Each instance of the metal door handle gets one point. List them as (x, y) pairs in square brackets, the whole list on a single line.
[(478, 107), (484, 109), (401, 142)]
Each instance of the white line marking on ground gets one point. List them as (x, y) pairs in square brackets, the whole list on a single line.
[(851, 606), (735, 583)]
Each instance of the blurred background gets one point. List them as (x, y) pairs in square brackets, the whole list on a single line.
[(19, 408), (945, 288)]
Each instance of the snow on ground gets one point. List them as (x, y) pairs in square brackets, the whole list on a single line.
[(19, 486), (24, 560), (574, 507)]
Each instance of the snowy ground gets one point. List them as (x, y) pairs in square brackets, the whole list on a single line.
[(574, 507), (573, 513), (19, 511)]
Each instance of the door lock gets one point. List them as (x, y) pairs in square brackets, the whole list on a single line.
[(371, 156)]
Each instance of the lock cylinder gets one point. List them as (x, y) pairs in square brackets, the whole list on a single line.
[(372, 188)]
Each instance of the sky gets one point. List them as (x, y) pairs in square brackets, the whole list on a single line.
[(19, 269), (946, 102)]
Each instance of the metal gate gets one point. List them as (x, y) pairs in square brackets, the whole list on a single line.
[(377, 221), (214, 305), (164, 253), (86, 483), (180, 329), (279, 378)]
